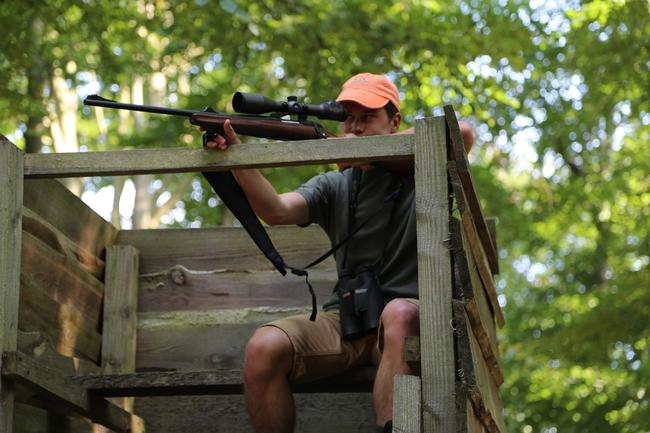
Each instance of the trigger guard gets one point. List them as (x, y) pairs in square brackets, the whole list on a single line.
[(208, 135)]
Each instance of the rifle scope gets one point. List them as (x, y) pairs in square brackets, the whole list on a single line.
[(252, 103)]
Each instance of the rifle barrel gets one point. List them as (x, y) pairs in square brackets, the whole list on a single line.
[(99, 101)]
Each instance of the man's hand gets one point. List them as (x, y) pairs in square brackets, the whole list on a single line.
[(222, 142)]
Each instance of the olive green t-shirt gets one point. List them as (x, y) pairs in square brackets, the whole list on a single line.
[(388, 240)]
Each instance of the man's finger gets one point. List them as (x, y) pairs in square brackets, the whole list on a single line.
[(229, 132)]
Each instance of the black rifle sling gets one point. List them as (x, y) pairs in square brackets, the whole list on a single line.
[(227, 188)]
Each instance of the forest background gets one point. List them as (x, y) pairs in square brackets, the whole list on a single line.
[(557, 92)]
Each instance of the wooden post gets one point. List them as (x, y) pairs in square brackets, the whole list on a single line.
[(434, 276), (11, 204), (120, 313), (407, 409)]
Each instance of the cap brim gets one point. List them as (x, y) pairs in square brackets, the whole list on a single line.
[(362, 97)]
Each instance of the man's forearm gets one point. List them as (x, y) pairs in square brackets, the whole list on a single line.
[(261, 194)]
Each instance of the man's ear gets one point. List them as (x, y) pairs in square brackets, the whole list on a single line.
[(395, 122)]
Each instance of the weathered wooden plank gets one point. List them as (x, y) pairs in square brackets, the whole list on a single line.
[(180, 288), (120, 314), (460, 157), (53, 385), (473, 422), (31, 419), (72, 217), (407, 412), (38, 227), (11, 204), (37, 346), (435, 277), (475, 244), (120, 309), (213, 382), (200, 340), (475, 376), (61, 278), (492, 229), (252, 155), (412, 353), (316, 413), (228, 248), (69, 331), (472, 293)]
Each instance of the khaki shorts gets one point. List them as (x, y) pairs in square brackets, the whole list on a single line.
[(319, 351)]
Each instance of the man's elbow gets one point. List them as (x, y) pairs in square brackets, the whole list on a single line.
[(467, 133)]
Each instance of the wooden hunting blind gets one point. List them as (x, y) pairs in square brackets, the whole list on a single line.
[(144, 330)]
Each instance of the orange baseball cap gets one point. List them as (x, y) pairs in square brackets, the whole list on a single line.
[(369, 90)]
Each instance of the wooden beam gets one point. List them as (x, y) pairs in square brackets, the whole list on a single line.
[(53, 385), (476, 246), (252, 155), (73, 218), (11, 205), (470, 291), (210, 382), (460, 156), (474, 376), (120, 309), (231, 248), (434, 276), (179, 288), (407, 407)]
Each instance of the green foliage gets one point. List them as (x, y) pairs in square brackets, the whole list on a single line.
[(557, 92)]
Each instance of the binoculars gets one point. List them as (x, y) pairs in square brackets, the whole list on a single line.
[(360, 303)]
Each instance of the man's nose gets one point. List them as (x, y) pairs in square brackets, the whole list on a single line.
[(358, 126)]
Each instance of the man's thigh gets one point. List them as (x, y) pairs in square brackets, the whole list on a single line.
[(318, 350)]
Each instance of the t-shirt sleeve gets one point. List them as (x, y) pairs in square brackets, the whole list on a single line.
[(320, 194)]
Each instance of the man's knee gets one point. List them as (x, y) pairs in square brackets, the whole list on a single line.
[(268, 352), (400, 318)]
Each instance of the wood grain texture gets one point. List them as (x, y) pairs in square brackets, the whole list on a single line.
[(252, 155), (460, 157), (200, 340), (31, 419), (61, 278), (476, 247), (213, 382), (67, 330), (316, 413), (120, 309), (472, 294), (53, 385), (179, 288), (229, 248), (407, 407), (11, 204), (435, 276), (474, 375), (69, 215), (41, 229)]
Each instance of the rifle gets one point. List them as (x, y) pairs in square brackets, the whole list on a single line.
[(252, 123)]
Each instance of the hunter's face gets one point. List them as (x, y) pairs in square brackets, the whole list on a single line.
[(362, 121)]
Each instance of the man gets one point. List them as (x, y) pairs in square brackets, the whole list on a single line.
[(295, 349)]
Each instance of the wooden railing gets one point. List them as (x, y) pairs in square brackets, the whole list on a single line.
[(458, 354)]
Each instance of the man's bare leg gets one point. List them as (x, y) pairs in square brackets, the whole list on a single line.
[(399, 319), (267, 363)]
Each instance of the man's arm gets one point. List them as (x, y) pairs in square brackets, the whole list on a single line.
[(273, 208)]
